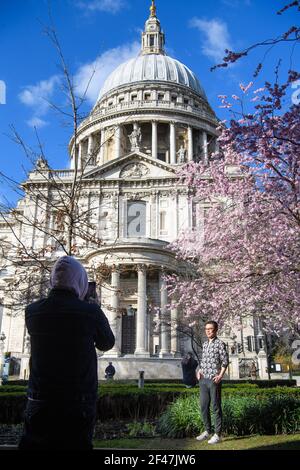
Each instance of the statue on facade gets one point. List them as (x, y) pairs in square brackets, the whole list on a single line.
[(41, 164), (181, 154), (135, 138), (27, 345), (253, 371)]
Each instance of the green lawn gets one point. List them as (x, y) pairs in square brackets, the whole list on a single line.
[(281, 442)]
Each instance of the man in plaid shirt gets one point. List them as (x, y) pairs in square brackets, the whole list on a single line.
[(212, 369)]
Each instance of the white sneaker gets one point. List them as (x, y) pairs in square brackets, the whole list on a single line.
[(214, 440), (203, 436)]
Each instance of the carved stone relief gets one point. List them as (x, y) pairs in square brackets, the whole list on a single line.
[(134, 170)]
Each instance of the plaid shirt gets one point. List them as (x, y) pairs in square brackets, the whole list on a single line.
[(214, 357)]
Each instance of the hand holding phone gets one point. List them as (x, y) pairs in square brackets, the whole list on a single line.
[(91, 295)]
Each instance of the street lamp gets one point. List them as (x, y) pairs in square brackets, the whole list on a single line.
[(2, 339)]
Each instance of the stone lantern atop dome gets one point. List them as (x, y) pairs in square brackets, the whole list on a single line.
[(153, 38)]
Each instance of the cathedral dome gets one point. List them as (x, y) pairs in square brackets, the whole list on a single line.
[(152, 64), (152, 68)]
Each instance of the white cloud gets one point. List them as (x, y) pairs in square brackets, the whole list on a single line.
[(237, 3), (100, 68), (108, 6), (38, 98), (89, 79), (37, 122), (217, 37)]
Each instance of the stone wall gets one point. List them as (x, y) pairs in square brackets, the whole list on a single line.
[(155, 368)]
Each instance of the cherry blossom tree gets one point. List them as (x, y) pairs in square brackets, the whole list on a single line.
[(289, 37), (244, 255)]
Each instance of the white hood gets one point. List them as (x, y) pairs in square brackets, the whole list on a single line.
[(68, 273)]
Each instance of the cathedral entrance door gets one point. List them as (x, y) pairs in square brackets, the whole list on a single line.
[(129, 331)]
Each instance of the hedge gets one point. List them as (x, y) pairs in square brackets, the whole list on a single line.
[(117, 401), (12, 406), (259, 383)]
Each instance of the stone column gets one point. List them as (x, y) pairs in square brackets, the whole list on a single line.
[(90, 147), (100, 158), (114, 316), (172, 143), (118, 141), (262, 365), (190, 144), (1, 358), (141, 347), (72, 166), (80, 155), (174, 333), (234, 370), (164, 328), (217, 145), (154, 139), (204, 147)]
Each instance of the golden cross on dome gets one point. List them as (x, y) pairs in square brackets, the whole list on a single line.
[(153, 9)]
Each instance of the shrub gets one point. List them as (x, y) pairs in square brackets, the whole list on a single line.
[(182, 418), (12, 389), (24, 383), (241, 416), (144, 429), (134, 406), (261, 393), (10, 434), (117, 401), (178, 383), (12, 406)]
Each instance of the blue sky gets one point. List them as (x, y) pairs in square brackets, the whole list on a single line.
[(106, 33)]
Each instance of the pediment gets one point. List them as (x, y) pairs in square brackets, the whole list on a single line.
[(134, 166)]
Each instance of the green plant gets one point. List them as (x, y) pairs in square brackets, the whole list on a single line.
[(125, 401), (242, 415), (141, 429), (12, 406), (182, 418), (13, 389)]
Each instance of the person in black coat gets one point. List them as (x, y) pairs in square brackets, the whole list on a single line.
[(62, 391), (110, 371), (189, 366)]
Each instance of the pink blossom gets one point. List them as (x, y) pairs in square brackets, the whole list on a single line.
[(246, 88), (244, 256)]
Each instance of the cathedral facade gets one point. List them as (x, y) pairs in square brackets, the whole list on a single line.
[(152, 116)]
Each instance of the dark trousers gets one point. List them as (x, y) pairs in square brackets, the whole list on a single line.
[(210, 393), (58, 425)]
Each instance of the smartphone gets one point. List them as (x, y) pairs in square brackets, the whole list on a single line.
[(91, 293)]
